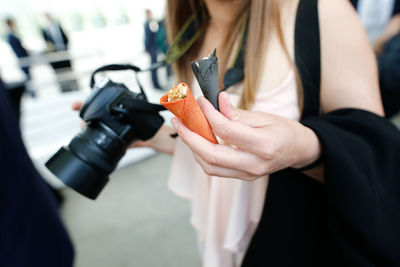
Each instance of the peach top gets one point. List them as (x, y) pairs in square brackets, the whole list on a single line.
[(226, 212)]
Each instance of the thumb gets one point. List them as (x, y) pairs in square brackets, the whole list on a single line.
[(249, 118)]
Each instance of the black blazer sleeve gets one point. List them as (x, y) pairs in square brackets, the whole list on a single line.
[(31, 232), (361, 152)]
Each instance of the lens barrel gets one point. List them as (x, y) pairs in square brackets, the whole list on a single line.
[(86, 162), (70, 169), (115, 118)]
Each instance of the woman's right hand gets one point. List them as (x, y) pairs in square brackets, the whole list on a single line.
[(77, 105), (161, 141)]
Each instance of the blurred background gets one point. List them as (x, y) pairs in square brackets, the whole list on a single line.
[(48, 50), (136, 221)]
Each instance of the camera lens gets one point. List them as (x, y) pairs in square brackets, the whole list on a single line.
[(86, 162), (115, 118)]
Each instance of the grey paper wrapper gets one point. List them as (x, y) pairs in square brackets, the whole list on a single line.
[(206, 73)]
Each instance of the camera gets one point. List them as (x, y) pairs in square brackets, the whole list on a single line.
[(115, 117)]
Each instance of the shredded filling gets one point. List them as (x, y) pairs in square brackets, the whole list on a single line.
[(179, 92)]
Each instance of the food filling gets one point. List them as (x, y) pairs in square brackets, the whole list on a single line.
[(178, 92)]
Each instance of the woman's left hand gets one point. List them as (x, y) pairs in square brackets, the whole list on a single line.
[(260, 143)]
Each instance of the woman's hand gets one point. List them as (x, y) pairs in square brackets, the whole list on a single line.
[(77, 106), (261, 143), (161, 141)]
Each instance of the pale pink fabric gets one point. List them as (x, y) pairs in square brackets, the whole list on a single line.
[(226, 212)]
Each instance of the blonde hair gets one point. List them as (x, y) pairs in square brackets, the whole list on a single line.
[(264, 20)]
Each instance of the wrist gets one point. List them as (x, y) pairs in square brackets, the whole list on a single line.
[(309, 148), (162, 141)]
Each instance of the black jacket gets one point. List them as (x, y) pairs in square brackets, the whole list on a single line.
[(389, 76), (48, 38), (353, 218), (16, 45), (396, 8), (31, 232)]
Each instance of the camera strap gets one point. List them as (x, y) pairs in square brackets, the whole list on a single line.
[(186, 37), (190, 33)]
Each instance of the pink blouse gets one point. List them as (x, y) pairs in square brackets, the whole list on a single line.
[(226, 212)]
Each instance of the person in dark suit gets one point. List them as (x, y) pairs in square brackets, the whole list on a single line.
[(375, 15), (16, 45), (386, 42), (396, 6), (57, 41), (54, 35), (387, 49), (150, 43), (32, 233)]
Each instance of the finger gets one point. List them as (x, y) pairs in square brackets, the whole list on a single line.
[(77, 105), (223, 172), (220, 155), (234, 132), (139, 143), (249, 118)]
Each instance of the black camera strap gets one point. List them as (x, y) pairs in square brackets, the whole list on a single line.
[(118, 67), (186, 37), (235, 73), (190, 33)]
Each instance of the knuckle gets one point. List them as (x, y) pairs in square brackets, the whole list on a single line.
[(250, 178), (270, 150), (208, 169), (237, 114), (258, 171), (211, 160), (225, 132)]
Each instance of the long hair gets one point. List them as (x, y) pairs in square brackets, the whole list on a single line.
[(264, 19)]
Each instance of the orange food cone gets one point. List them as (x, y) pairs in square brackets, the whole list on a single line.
[(188, 111)]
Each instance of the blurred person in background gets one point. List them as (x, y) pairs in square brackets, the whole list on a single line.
[(54, 35), (388, 51), (16, 45), (57, 41), (382, 22), (162, 43), (375, 15), (310, 177), (32, 233), (17, 89), (150, 43)]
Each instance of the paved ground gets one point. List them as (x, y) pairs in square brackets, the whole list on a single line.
[(136, 221)]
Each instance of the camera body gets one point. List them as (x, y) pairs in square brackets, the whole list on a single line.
[(115, 117)]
